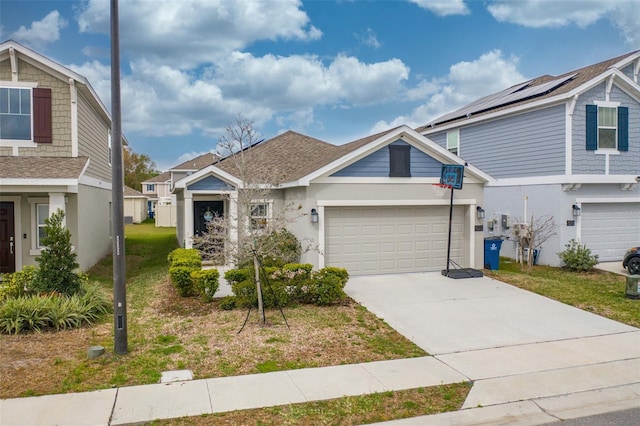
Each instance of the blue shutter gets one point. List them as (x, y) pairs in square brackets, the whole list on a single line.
[(623, 129), (592, 127)]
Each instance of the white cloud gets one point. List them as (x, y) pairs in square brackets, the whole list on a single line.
[(443, 7), (624, 14), (41, 32), (466, 82), (369, 38), (188, 33)]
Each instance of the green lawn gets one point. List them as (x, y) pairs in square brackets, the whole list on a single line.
[(602, 293)]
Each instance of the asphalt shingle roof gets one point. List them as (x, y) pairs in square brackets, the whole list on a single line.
[(42, 167)]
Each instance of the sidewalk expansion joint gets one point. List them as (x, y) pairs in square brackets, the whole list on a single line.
[(113, 408)]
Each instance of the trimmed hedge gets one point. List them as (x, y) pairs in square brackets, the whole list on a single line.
[(289, 285), (189, 278), (205, 283)]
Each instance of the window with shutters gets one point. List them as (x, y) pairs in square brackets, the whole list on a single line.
[(607, 127), (25, 114), (399, 161)]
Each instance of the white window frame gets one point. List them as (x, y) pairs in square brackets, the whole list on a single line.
[(36, 247), (265, 218), (451, 147), (604, 104), (15, 143)]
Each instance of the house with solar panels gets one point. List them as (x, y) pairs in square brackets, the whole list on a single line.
[(566, 147)]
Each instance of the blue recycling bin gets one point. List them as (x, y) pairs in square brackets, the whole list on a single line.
[(492, 253)]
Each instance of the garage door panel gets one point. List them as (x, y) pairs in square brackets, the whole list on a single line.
[(609, 229), (391, 239)]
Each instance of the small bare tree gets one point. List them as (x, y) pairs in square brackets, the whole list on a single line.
[(532, 235), (255, 230)]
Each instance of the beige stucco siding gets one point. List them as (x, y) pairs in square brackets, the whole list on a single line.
[(93, 137), (94, 224)]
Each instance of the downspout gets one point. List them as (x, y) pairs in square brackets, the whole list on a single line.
[(73, 91), (14, 64)]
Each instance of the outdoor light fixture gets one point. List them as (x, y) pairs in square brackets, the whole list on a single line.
[(576, 210), (314, 216), (479, 212)]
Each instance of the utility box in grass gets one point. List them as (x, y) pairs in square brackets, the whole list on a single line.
[(492, 253), (633, 287)]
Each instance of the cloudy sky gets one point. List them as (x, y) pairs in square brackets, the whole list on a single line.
[(334, 70)]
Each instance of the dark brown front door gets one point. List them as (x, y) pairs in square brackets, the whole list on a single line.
[(7, 238)]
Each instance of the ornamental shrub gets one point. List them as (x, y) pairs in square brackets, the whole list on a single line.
[(185, 257), (19, 283), (53, 311), (57, 261), (578, 257), (237, 275), (205, 283), (181, 278)]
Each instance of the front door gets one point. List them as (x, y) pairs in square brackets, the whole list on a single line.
[(7, 238), (203, 212)]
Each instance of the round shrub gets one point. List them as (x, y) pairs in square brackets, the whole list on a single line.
[(181, 279), (236, 275), (227, 303), (205, 283), (578, 257), (326, 289)]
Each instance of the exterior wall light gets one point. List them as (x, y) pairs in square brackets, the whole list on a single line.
[(314, 216), (576, 210), (479, 212)]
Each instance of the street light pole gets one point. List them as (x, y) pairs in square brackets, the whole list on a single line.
[(117, 196)]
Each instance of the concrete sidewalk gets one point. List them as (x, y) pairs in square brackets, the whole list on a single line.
[(532, 361), (191, 398)]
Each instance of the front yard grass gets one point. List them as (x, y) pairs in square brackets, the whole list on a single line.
[(168, 332), (602, 293)]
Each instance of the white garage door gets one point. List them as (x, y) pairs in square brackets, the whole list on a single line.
[(378, 240), (610, 229)]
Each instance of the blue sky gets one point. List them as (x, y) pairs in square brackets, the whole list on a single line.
[(334, 70)]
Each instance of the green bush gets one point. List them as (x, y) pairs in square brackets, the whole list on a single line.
[(53, 311), (185, 257), (227, 303), (181, 278), (205, 283), (237, 275), (291, 284), (275, 249), (19, 283), (57, 262), (578, 257)]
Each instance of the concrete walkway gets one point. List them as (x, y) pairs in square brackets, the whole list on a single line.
[(532, 360)]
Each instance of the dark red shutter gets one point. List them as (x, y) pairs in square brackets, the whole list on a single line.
[(42, 128)]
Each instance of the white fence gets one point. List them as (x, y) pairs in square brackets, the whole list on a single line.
[(166, 216)]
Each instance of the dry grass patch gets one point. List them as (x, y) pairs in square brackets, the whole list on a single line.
[(171, 332)]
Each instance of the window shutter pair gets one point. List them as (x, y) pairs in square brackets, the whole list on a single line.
[(592, 128), (42, 126)]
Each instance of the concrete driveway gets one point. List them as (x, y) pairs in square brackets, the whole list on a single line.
[(444, 315), (515, 345)]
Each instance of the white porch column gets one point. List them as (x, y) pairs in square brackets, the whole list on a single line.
[(57, 201), (188, 219), (233, 218)]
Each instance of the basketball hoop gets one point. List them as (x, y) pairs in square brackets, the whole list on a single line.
[(440, 188)]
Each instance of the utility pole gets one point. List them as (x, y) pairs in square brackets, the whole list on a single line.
[(117, 196)]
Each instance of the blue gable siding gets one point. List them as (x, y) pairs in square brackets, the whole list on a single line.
[(529, 144), (588, 162), (377, 164), (210, 183)]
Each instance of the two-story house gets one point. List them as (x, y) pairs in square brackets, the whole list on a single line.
[(55, 153), (564, 146)]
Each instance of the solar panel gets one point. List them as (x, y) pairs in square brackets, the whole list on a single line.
[(505, 97)]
